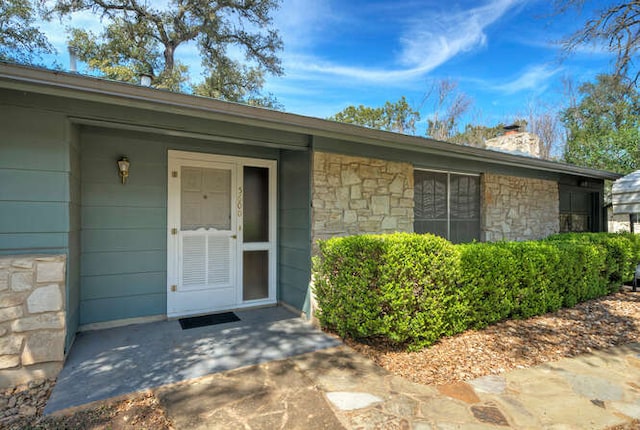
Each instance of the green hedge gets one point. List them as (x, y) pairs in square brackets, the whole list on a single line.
[(401, 287), (410, 289), (621, 253)]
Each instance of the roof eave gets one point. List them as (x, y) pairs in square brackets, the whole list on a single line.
[(95, 89)]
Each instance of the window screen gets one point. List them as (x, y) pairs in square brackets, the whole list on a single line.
[(448, 205), (430, 203), (464, 216), (576, 208), (256, 204), (205, 198)]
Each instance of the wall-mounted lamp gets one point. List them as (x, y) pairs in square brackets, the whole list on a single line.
[(123, 169)]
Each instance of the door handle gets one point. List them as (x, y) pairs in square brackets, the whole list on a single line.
[(234, 236)]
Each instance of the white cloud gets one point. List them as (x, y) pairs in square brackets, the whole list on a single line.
[(428, 41), (302, 22), (533, 78), (321, 67), (438, 36)]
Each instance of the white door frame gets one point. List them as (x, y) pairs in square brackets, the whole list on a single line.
[(177, 159)]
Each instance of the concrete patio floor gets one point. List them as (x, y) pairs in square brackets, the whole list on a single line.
[(273, 370), (112, 362)]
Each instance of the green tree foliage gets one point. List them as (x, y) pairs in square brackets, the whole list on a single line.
[(399, 116), (604, 127), (20, 40), (447, 104), (475, 135), (141, 37), (616, 26), (362, 115), (237, 82)]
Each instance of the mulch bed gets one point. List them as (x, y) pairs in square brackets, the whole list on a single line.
[(592, 325)]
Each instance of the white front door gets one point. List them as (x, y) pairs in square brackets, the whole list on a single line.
[(221, 233)]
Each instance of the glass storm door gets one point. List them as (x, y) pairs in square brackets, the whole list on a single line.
[(221, 241)]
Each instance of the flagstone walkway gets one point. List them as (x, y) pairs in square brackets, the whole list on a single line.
[(338, 388)]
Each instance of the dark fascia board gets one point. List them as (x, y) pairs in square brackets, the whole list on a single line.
[(72, 85)]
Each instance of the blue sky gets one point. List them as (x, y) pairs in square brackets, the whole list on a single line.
[(502, 53)]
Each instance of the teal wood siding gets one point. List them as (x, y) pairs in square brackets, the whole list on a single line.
[(162, 118), (73, 262), (40, 192), (124, 227), (34, 173), (294, 229), (116, 221)]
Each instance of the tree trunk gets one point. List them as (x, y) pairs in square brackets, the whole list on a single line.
[(169, 51)]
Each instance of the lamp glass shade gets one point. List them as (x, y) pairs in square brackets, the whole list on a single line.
[(123, 169), (123, 165)]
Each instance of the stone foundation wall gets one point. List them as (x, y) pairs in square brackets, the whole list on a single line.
[(357, 195), (515, 208), (32, 318)]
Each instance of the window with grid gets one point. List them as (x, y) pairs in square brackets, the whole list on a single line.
[(447, 204), (576, 210)]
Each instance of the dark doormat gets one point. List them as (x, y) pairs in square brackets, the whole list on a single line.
[(205, 320)]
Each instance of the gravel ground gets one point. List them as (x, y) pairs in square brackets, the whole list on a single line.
[(26, 400), (141, 411), (596, 324)]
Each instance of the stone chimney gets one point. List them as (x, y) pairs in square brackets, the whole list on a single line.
[(516, 141)]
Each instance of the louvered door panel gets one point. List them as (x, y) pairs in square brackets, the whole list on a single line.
[(207, 260), (194, 261), (219, 261)]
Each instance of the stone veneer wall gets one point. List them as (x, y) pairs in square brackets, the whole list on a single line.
[(520, 143), (32, 318), (357, 195), (516, 208)]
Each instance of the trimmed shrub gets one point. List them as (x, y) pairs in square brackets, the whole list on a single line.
[(514, 279), (401, 287), (346, 285), (411, 290), (487, 282), (634, 240), (619, 250), (535, 291), (421, 301)]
